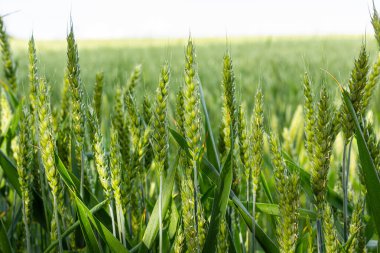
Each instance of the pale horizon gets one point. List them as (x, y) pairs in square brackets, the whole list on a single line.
[(117, 19)]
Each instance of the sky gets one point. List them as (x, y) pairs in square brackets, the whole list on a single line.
[(112, 19)]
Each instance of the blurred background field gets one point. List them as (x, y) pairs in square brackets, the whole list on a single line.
[(276, 64)]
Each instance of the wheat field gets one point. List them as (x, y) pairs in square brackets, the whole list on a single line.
[(196, 145)]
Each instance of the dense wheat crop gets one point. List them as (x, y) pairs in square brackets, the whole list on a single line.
[(244, 145)]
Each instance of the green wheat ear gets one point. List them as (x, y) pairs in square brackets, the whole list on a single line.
[(24, 159), (309, 110), (8, 64), (98, 92), (287, 185), (357, 228), (375, 71), (46, 138), (324, 139), (77, 97), (330, 234), (100, 157), (257, 140), (357, 84), (192, 129), (160, 121), (230, 115), (375, 20), (134, 79)]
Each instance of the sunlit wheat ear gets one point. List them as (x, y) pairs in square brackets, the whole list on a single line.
[(375, 71), (133, 119), (116, 179), (356, 85), (25, 174), (229, 101), (230, 116), (46, 138), (357, 228), (180, 111), (179, 242), (8, 64), (160, 121), (33, 95), (147, 110), (64, 139), (375, 20), (287, 185), (329, 231), (257, 140), (373, 144), (324, 139), (147, 114), (77, 100), (99, 156), (309, 111), (98, 92), (33, 75), (119, 123), (192, 102), (134, 79), (192, 128)]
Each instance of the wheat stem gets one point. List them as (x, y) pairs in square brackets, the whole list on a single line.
[(160, 212)]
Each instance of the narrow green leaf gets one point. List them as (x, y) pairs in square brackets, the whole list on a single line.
[(174, 218), (265, 241), (10, 171), (266, 187), (371, 178), (113, 243), (219, 205), (87, 231), (273, 209), (212, 152), (5, 245), (72, 228), (180, 140), (152, 228)]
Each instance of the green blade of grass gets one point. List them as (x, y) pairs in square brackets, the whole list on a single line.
[(265, 241), (153, 224), (72, 228), (371, 178), (5, 245), (10, 172), (212, 152), (219, 205), (87, 231), (113, 243), (273, 209)]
